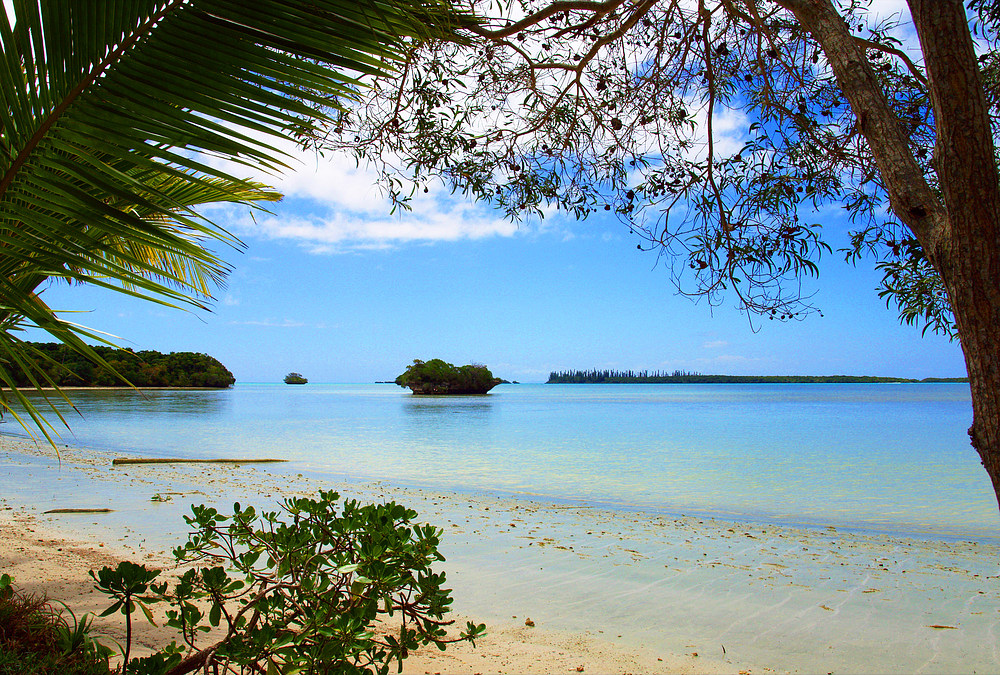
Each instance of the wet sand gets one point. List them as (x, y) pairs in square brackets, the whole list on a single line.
[(606, 590)]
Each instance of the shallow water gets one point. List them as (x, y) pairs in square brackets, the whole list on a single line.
[(750, 596), (885, 458)]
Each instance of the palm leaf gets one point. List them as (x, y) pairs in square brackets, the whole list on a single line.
[(114, 111)]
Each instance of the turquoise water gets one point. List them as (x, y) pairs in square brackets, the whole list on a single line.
[(892, 458)]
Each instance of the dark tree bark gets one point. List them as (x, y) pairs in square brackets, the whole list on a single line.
[(964, 160)]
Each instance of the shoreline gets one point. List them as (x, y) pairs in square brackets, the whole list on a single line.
[(642, 592), (352, 480)]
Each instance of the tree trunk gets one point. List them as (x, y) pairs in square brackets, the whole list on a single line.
[(975, 306), (969, 261)]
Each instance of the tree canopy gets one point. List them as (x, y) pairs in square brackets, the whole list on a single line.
[(608, 376), (67, 367), (629, 107)]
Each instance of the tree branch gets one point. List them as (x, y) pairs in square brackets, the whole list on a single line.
[(599, 8), (910, 65), (910, 196)]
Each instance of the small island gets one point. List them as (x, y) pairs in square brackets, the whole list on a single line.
[(595, 376), (295, 378), (437, 378)]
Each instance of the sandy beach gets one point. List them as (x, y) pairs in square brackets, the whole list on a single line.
[(607, 591)]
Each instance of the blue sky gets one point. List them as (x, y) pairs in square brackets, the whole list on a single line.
[(334, 287), (523, 300)]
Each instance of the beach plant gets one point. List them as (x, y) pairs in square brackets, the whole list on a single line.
[(320, 585), (125, 584), (116, 130), (75, 636), (37, 637)]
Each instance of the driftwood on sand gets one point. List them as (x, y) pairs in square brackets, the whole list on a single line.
[(179, 460), (79, 511)]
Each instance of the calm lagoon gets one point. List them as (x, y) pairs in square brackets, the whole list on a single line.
[(797, 528), (882, 458)]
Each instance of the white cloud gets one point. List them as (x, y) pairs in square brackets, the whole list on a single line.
[(333, 180), (715, 344), (332, 205), (729, 130), (329, 230)]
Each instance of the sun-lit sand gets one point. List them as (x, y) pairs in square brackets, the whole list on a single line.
[(605, 590)]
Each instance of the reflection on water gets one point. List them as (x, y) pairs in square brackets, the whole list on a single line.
[(445, 411), (877, 456), (114, 402)]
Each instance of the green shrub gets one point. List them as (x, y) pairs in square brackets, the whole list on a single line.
[(311, 588)]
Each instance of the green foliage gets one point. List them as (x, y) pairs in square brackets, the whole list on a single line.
[(438, 377), (295, 378), (317, 587), (124, 584), (36, 638), (66, 367)]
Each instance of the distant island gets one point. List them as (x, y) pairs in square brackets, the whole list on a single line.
[(437, 377), (683, 377), (295, 378), (146, 368)]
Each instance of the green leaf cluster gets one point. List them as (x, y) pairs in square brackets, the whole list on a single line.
[(319, 586), (38, 638)]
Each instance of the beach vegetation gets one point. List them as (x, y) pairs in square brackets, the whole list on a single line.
[(39, 637), (295, 378), (318, 586), (115, 134), (440, 377), (719, 133), (125, 584)]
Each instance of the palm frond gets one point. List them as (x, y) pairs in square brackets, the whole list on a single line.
[(114, 111)]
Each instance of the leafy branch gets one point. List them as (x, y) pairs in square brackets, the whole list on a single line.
[(314, 587)]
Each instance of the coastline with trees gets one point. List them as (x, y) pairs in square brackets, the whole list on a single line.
[(587, 107), (64, 367), (595, 376)]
